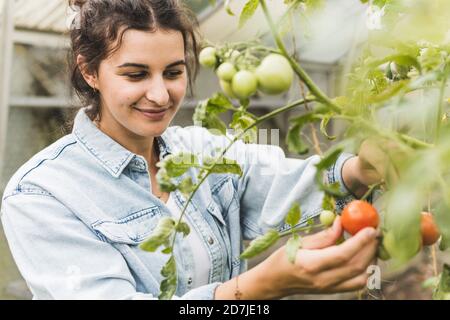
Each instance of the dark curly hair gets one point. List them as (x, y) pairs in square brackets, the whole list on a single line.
[(103, 22)]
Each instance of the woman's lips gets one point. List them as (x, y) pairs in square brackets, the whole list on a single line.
[(153, 114)]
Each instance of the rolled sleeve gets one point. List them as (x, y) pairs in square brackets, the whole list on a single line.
[(334, 174)]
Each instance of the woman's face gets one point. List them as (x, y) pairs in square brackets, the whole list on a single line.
[(143, 83)]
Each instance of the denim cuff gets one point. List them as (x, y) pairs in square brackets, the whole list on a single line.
[(334, 174)]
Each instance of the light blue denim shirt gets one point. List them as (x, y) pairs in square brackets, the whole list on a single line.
[(75, 213)]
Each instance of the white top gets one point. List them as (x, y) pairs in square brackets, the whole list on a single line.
[(202, 263)]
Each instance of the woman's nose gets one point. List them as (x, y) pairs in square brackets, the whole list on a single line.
[(157, 92)]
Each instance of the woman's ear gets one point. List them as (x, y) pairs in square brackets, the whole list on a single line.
[(90, 78)]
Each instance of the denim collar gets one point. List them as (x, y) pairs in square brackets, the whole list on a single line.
[(110, 154)]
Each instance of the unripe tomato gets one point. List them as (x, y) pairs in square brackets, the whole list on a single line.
[(244, 84), (275, 74), (383, 254), (358, 215), (428, 229), (226, 88), (207, 57), (226, 71), (327, 217)]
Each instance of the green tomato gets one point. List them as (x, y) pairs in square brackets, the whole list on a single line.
[(207, 57), (226, 88), (275, 74), (327, 218), (226, 71), (244, 84)]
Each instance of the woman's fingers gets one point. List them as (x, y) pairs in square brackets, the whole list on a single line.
[(337, 256), (324, 238), (356, 266)]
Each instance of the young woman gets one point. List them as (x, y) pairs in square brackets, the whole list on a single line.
[(76, 212)]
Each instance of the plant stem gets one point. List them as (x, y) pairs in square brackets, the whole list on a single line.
[(315, 90), (257, 122), (371, 189), (300, 229)]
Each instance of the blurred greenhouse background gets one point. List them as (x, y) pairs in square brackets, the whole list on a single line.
[(35, 97)]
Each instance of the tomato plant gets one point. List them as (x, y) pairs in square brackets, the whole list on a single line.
[(396, 96)]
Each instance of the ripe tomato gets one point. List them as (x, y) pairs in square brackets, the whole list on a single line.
[(327, 217), (226, 71), (275, 74), (207, 57), (428, 229), (244, 84), (358, 215)]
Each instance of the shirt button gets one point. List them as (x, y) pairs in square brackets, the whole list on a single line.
[(190, 280), (210, 240)]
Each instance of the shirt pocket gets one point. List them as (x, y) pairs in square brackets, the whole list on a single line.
[(132, 230)]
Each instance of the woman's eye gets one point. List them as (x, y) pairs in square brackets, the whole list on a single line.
[(173, 74), (137, 75)]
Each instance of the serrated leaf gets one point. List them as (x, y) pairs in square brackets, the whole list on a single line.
[(164, 182), (248, 12), (176, 165), (183, 227), (293, 139), (163, 230), (224, 165), (186, 186), (241, 121), (294, 215), (292, 246), (169, 284), (260, 244)]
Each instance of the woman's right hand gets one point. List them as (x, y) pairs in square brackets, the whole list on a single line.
[(321, 266)]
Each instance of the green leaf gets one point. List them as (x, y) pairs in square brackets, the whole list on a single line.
[(293, 139), (323, 126), (163, 230), (183, 227), (403, 221), (292, 246), (248, 11), (442, 291), (260, 244), (328, 159), (294, 215), (186, 186), (224, 165), (441, 214), (169, 284), (328, 203), (207, 111), (178, 164), (164, 182), (167, 250), (241, 121)]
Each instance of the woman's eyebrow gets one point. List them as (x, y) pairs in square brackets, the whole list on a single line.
[(176, 63), (144, 66), (135, 65)]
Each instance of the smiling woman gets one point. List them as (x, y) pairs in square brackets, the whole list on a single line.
[(76, 214)]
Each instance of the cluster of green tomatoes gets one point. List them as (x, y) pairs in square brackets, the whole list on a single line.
[(272, 75)]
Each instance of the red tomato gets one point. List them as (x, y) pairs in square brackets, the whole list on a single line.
[(358, 215), (428, 229)]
